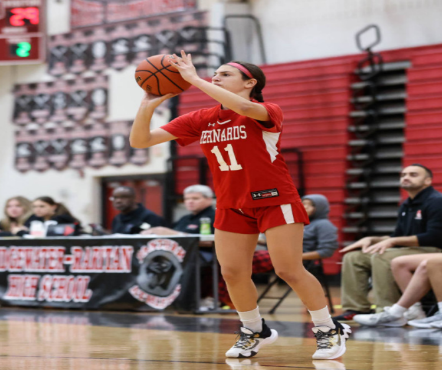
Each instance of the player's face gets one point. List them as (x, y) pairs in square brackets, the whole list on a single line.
[(309, 206), (14, 209), (196, 202), (414, 178), (229, 78), (43, 209)]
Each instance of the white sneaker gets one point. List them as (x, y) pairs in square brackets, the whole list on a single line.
[(426, 323), (384, 318), (249, 342), (437, 324), (415, 312), (330, 342)]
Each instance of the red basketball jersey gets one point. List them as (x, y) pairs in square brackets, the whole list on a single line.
[(243, 155)]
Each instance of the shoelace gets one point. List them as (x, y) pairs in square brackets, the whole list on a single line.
[(323, 339), (244, 340)]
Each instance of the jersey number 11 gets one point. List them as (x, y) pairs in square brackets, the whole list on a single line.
[(223, 166)]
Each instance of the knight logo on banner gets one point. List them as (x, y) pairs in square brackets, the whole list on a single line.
[(99, 50), (59, 101), (98, 97), (119, 148), (120, 50), (24, 150), (158, 282), (142, 43), (78, 61), (78, 104), (59, 55), (42, 103), (24, 97), (98, 144), (42, 147), (139, 156), (166, 41), (78, 147), (59, 156)]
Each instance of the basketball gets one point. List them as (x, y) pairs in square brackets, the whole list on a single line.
[(155, 75)]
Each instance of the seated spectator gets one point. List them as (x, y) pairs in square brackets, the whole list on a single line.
[(47, 209), (418, 230), (321, 236), (198, 200), (133, 217), (17, 211), (416, 276)]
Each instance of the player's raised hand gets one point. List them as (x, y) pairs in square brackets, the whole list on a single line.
[(185, 66), (154, 100)]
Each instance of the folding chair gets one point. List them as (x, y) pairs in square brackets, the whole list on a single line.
[(316, 268)]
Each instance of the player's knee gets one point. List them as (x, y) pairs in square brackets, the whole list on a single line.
[(289, 275), (232, 274)]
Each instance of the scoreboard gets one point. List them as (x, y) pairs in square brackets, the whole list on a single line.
[(22, 31)]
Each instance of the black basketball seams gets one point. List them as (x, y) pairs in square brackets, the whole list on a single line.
[(167, 67), (159, 70)]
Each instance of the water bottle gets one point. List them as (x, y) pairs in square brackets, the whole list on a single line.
[(205, 223)]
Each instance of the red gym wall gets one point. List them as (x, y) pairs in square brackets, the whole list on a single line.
[(315, 98)]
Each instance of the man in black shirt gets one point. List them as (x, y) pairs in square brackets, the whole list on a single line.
[(198, 201), (418, 230), (134, 217)]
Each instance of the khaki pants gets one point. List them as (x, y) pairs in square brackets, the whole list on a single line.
[(357, 269)]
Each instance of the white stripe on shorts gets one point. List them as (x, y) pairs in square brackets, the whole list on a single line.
[(288, 213)]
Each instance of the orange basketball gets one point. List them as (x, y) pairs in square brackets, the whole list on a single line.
[(155, 75)]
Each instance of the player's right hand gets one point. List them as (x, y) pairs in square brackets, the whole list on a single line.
[(363, 244), (155, 100)]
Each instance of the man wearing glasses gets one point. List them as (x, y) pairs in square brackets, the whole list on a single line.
[(133, 217)]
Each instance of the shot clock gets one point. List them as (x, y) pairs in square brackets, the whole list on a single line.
[(22, 31)]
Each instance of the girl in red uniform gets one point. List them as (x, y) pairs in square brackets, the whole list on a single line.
[(241, 140)]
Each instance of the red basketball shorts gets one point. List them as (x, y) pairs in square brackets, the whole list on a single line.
[(258, 220)]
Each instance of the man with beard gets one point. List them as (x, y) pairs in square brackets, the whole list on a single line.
[(418, 230), (134, 217)]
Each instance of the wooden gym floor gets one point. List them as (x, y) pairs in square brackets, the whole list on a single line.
[(33, 339)]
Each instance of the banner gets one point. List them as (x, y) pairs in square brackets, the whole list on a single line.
[(99, 273), (96, 12), (83, 99), (119, 45)]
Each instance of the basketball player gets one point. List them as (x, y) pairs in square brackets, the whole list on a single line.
[(241, 139)]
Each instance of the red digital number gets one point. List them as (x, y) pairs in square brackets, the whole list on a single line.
[(20, 14)]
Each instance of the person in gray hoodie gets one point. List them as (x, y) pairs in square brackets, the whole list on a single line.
[(321, 236)]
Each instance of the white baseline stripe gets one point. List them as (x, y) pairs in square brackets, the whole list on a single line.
[(288, 213)]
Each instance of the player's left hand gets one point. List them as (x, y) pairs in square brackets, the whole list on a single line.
[(380, 247), (185, 66)]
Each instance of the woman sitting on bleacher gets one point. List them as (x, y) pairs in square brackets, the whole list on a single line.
[(321, 236), (17, 211), (47, 209)]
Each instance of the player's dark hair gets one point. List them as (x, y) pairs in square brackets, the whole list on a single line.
[(258, 75), (427, 170)]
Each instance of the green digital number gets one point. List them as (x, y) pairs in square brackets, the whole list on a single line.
[(23, 49)]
